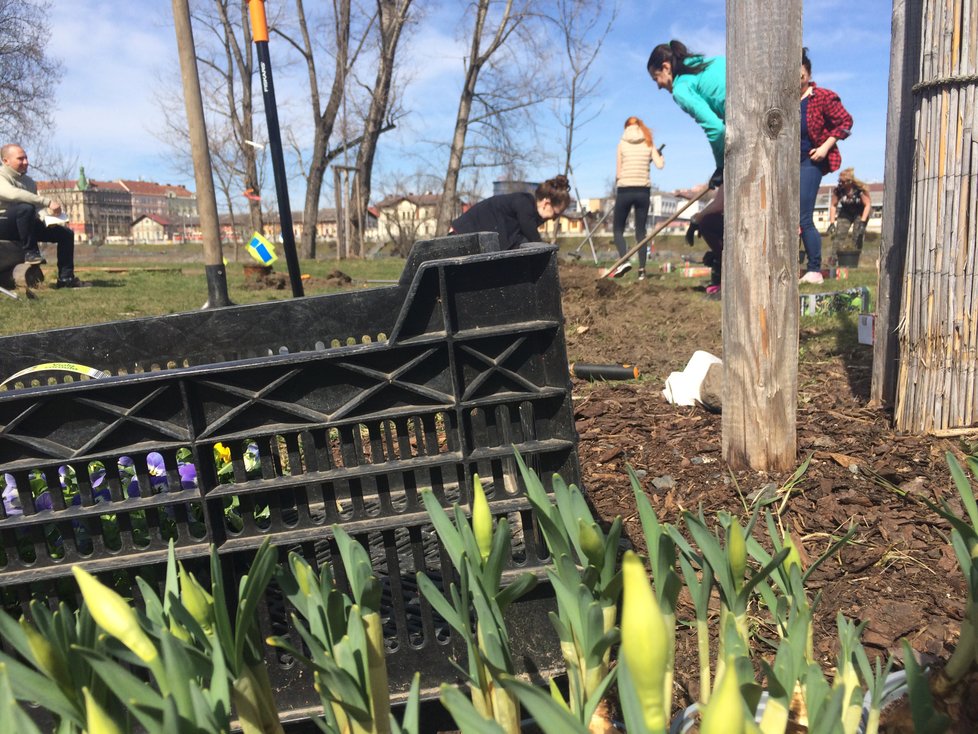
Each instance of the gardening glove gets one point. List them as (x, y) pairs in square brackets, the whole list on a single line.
[(716, 180), (830, 232), (858, 228), (691, 232)]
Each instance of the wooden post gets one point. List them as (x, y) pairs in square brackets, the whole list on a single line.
[(217, 286), (937, 384), (341, 243), (760, 260), (898, 177)]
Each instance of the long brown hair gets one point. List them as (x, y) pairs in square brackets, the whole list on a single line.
[(557, 189), (641, 126), (676, 53)]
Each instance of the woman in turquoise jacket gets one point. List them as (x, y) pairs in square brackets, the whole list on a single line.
[(699, 86)]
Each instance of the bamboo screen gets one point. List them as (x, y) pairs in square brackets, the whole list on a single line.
[(938, 331)]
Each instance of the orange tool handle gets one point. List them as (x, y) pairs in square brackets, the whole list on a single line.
[(259, 24)]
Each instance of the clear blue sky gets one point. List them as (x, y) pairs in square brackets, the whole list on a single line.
[(115, 52)]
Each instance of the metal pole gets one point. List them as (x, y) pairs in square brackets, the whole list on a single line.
[(587, 227), (217, 284), (259, 31)]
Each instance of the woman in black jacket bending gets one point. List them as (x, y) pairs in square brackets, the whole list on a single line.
[(516, 217)]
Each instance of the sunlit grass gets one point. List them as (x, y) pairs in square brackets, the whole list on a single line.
[(155, 282)]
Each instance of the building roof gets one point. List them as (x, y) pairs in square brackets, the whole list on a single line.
[(72, 185), (427, 199), (151, 188), (163, 221), (59, 185)]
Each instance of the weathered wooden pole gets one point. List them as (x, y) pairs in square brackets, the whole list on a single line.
[(210, 228), (937, 384), (760, 259), (898, 179)]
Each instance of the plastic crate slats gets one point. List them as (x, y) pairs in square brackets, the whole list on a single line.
[(338, 409)]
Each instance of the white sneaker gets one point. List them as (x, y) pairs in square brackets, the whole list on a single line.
[(813, 276), (621, 270)]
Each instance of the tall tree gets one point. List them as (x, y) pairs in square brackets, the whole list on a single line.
[(225, 57), (324, 114), (392, 16), (239, 71), (582, 27), (28, 76), (494, 24)]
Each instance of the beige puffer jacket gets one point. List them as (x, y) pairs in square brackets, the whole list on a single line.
[(634, 157)]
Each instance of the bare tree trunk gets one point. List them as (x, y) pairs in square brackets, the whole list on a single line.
[(226, 59), (477, 59), (324, 117), (393, 15), (760, 267), (582, 30), (898, 178), (243, 123)]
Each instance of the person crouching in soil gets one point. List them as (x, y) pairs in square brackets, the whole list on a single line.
[(849, 211), (699, 86), (516, 218)]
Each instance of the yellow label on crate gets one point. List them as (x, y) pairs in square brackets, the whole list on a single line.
[(58, 367)]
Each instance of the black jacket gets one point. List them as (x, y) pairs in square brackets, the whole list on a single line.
[(513, 216)]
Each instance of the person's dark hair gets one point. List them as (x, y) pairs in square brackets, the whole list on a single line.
[(805, 61), (557, 189), (676, 53)]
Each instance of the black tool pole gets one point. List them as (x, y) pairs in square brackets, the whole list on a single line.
[(259, 31)]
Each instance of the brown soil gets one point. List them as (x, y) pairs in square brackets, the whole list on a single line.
[(898, 573)]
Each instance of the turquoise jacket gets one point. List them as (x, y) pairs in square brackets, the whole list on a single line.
[(703, 97)]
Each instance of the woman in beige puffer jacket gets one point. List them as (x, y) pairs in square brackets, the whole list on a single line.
[(633, 187)]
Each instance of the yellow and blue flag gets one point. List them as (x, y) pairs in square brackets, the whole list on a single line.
[(262, 250)]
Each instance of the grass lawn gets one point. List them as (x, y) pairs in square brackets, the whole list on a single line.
[(132, 282)]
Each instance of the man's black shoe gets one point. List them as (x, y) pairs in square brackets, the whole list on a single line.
[(34, 258), (72, 282)]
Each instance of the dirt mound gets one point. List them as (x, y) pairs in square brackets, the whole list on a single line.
[(898, 573)]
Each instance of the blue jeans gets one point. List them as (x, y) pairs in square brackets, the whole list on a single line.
[(811, 179)]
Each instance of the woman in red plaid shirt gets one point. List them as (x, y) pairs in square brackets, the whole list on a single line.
[(824, 121)]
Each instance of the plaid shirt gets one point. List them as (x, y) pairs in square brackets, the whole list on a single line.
[(827, 118)]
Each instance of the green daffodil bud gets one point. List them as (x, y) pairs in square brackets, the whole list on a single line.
[(44, 654), (794, 557), (97, 719), (737, 552), (724, 714), (591, 541), (196, 600), (303, 574), (111, 612), (644, 641), (481, 518)]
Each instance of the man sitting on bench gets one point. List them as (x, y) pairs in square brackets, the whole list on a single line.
[(20, 206)]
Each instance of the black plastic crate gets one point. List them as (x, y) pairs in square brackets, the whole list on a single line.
[(332, 409)]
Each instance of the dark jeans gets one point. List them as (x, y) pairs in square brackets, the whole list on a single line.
[(710, 222), (20, 223), (811, 179), (627, 197)]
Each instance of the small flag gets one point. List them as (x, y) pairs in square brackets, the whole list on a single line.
[(262, 250)]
